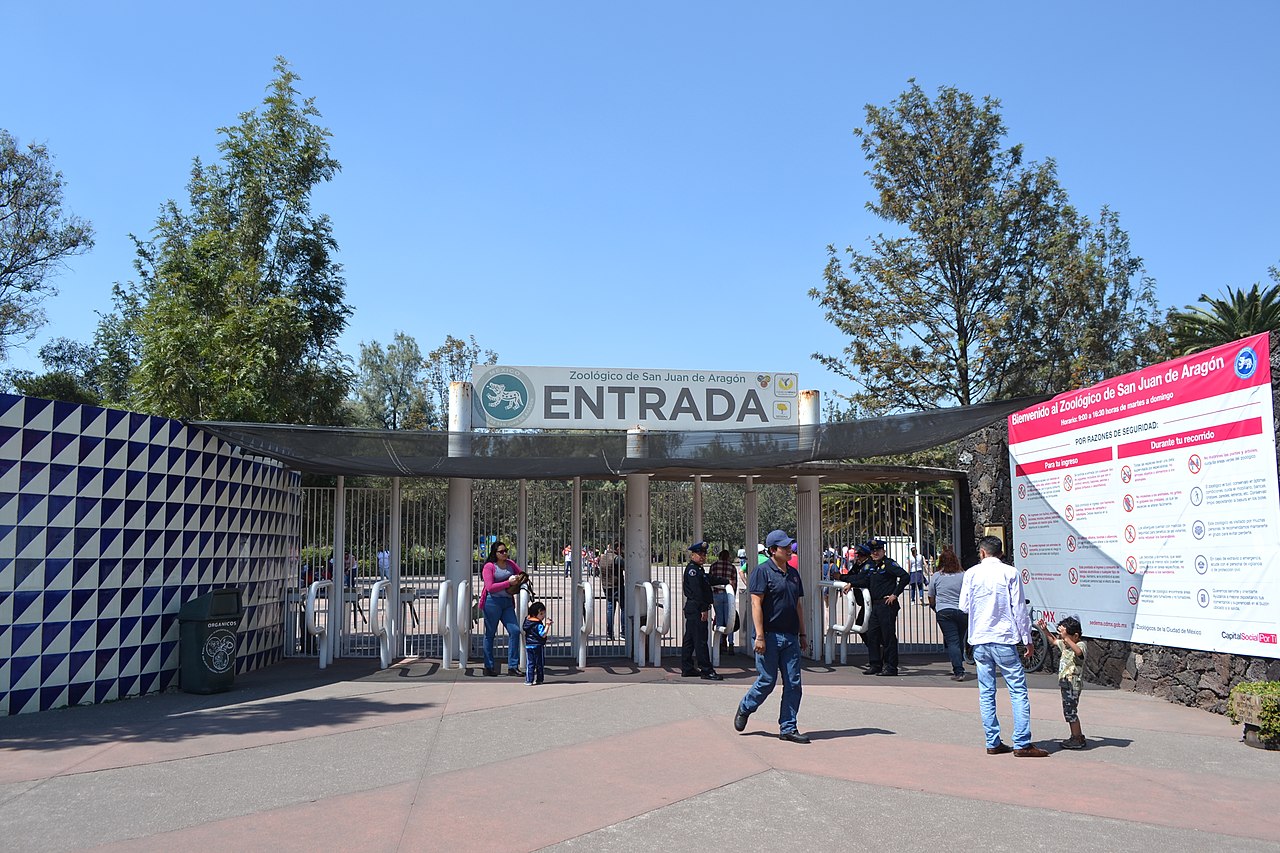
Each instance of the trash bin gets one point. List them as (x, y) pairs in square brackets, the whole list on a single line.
[(207, 641)]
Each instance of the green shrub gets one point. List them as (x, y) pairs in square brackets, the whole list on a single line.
[(1269, 716)]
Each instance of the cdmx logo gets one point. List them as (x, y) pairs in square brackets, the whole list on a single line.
[(1246, 362), (506, 398)]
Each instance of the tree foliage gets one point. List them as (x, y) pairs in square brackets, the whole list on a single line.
[(239, 302), (390, 388), (70, 374), (36, 237), (1238, 314), (453, 361), (992, 284)]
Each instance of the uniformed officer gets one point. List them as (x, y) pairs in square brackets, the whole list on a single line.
[(886, 580), (695, 656)]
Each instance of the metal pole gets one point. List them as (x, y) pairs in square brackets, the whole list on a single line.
[(808, 523), (395, 614), (638, 547), (575, 580), (338, 588), (458, 524), (522, 528)]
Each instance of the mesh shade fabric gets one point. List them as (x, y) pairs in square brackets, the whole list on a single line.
[(541, 455)]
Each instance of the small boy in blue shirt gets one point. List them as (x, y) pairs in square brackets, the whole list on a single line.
[(536, 626)]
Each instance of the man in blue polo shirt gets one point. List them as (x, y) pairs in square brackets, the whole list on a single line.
[(778, 616)]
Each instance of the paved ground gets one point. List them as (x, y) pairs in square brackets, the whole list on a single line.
[(613, 758)]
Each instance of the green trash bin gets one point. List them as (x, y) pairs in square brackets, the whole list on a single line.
[(207, 641)]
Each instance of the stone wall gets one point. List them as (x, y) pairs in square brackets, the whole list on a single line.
[(1185, 676)]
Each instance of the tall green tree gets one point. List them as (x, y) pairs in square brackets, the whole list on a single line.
[(990, 284), (391, 389), (36, 237), (453, 361), (70, 374), (1238, 314), (239, 303)]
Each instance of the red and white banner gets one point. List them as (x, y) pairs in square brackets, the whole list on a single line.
[(1148, 505)]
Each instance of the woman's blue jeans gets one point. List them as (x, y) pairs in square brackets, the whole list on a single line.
[(501, 608), (954, 625), (781, 651)]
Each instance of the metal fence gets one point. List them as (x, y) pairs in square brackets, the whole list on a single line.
[(849, 515)]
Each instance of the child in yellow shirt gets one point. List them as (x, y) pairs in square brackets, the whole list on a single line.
[(1070, 674)]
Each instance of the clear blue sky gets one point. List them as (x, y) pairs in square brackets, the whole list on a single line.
[(647, 184)]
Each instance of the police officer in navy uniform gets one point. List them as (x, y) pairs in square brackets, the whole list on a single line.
[(697, 604), (886, 580)]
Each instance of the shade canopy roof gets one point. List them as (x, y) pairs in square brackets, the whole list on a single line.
[(770, 453)]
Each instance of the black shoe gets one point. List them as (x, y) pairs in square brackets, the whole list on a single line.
[(794, 737), (871, 670), (712, 676), (740, 720), (537, 681), (490, 672), (887, 672), (694, 674), (514, 671)]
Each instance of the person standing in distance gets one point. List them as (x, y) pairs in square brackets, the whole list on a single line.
[(998, 620), (777, 611), (695, 656), (886, 580)]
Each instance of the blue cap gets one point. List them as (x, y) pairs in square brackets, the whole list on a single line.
[(700, 546), (863, 550), (875, 544), (777, 539)]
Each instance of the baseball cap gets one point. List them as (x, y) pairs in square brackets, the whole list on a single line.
[(777, 539), (699, 546)]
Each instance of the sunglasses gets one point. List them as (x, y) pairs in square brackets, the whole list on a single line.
[(502, 550)]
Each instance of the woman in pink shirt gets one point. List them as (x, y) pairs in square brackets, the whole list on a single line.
[(502, 578)]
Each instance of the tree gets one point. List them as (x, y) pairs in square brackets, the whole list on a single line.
[(36, 237), (955, 308), (391, 387), (70, 374), (239, 303), (1221, 321), (453, 361)]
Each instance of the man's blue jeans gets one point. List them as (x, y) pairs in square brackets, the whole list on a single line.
[(501, 609), (780, 651), (990, 657)]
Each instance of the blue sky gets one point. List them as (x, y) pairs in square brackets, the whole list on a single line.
[(622, 184)]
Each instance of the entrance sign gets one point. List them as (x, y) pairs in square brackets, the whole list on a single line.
[(1149, 506), (619, 398)]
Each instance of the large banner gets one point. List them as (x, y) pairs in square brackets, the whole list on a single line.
[(1148, 504), (622, 398)]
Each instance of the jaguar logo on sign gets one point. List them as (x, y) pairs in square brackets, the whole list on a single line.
[(507, 397)]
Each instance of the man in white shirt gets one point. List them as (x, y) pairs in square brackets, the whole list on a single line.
[(998, 620)]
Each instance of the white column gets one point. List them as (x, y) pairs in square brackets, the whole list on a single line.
[(751, 511), (919, 546), (638, 548), (697, 507), (458, 527), (808, 527)]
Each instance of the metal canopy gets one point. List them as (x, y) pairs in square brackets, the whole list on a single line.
[(771, 453)]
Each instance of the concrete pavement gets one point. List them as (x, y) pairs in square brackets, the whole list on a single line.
[(615, 758)]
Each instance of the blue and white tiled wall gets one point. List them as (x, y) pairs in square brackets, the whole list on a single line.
[(109, 522)]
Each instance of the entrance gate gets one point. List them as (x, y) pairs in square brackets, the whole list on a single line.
[(850, 514)]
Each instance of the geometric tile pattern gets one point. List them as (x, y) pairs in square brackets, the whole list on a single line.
[(109, 521)]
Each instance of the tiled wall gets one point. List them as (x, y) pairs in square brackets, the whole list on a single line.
[(109, 521)]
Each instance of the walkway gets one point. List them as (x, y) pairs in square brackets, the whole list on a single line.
[(615, 759)]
